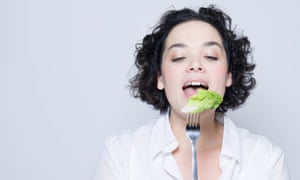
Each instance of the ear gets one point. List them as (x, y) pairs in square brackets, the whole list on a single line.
[(160, 83), (229, 80)]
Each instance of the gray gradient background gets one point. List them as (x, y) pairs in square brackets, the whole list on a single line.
[(65, 64)]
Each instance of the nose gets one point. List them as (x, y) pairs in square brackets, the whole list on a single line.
[(195, 66)]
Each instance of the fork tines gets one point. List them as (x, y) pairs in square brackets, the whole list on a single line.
[(193, 120)]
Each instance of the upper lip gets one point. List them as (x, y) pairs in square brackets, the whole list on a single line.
[(195, 83)]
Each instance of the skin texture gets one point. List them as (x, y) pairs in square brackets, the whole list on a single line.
[(194, 52)]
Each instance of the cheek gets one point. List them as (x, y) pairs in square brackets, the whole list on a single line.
[(221, 79), (169, 73), (221, 73), (171, 81)]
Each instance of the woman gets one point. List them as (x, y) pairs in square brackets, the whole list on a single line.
[(189, 47)]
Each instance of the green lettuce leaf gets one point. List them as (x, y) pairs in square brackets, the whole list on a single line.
[(202, 101)]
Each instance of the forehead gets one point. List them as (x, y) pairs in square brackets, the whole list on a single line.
[(193, 32)]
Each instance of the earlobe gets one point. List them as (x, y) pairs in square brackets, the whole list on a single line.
[(229, 80), (160, 84)]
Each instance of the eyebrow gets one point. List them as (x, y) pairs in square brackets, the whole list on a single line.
[(180, 45), (206, 44), (213, 43)]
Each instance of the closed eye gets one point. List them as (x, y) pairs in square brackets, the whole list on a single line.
[(211, 57), (178, 59)]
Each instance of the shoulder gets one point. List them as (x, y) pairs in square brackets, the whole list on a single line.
[(250, 145), (252, 140), (259, 144), (125, 140), (258, 149), (116, 153), (264, 155), (244, 137), (257, 155)]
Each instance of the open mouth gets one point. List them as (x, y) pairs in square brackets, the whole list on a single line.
[(192, 88), (195, 85)]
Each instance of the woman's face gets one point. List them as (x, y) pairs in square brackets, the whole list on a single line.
[(193, 58)]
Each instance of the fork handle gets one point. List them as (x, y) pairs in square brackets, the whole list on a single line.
[(194, 159)]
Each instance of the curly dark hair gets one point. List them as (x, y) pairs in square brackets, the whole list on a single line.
[(149, 57)]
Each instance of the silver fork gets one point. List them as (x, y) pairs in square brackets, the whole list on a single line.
[(193, 132)]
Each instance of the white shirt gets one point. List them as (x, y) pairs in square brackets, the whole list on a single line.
[(146, 154)]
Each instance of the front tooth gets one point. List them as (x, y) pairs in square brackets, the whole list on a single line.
[(196, 83)]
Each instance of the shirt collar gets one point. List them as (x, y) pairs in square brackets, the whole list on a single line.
[(162, 139), (231, 145)]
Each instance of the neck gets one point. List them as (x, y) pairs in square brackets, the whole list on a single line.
[(211, 131)]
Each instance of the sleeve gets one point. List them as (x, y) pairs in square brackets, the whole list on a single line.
[(278, 169), (113, 161)]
